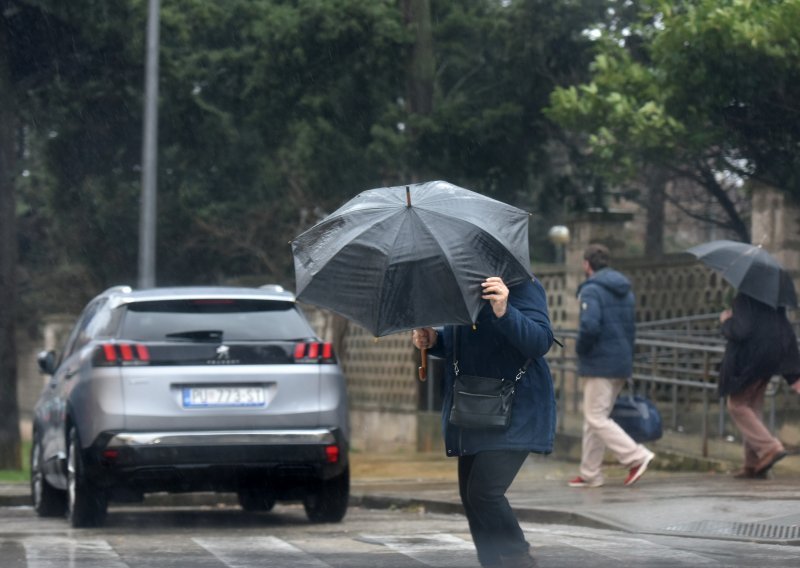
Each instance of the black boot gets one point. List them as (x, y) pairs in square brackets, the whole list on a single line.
[(519, 561)]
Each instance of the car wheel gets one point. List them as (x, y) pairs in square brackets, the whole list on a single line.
[(47, 500), (327, 503), (86, 504), (254, 500)]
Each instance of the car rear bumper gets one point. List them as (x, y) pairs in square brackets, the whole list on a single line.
[(316, 437), (216, 461)]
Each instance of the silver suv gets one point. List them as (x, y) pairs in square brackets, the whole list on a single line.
[(191, 389)]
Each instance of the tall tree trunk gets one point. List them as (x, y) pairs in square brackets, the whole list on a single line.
[(10, 457), (421, 72), (422, 67), (656, 196)]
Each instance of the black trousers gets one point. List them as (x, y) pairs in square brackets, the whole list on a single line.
[(483, 480)]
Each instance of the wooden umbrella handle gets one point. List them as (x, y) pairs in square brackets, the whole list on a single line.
[(423, 369)]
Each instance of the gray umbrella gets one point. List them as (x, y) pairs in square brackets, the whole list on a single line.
[(750, 269), (398, 258)]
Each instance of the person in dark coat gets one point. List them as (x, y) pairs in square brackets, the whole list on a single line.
[(761, 343), (512, 327)]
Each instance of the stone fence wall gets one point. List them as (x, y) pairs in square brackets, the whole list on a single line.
[(52, 335), (672, 286), (382, 372)]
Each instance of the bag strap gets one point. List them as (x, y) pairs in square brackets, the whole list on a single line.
[(630, 386), (456, 329)]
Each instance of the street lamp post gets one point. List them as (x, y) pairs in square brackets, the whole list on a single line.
[(147, 215), (559, 236)]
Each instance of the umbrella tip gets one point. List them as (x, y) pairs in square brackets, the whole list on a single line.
[(408, 196)]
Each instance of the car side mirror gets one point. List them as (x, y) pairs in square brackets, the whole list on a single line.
[(47, 362)]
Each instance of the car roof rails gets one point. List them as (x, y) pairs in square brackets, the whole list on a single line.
[(276, 289), (121, 289)]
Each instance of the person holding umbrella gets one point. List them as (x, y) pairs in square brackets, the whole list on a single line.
[(512, 334), (760, 343)]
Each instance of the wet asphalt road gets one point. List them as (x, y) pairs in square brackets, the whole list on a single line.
[(225, 537)]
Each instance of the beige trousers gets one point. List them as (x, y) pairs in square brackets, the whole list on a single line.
[(600, 432), (746, 409)]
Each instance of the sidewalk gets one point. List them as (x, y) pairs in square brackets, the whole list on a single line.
[(699, 504)]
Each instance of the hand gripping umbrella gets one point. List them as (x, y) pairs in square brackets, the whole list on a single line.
[(750, 269), (397, 258)]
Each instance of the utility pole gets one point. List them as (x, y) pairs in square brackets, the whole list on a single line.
[(147, 215)]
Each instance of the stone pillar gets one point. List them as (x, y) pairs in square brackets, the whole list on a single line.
[(593, 226), (52, 335), (775, 225)]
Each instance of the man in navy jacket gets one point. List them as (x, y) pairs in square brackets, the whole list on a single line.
[(605, 361)]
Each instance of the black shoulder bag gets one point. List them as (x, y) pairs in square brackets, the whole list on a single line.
[(481, 402)]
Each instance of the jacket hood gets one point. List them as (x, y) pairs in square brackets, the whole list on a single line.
[(613, 281)]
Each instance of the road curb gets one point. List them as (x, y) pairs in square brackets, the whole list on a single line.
[(15, 500), (528, 515)]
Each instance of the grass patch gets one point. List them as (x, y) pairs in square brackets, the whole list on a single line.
[(19, 475)]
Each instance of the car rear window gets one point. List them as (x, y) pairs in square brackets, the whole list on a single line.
[(213, 320)]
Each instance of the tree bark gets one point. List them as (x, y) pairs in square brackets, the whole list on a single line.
[(654, 238), (10, 455), (422, 67)]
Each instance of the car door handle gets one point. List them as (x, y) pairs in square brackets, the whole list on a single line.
[(71, 373)]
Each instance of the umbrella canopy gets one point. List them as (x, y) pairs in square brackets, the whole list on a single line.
[(396, 258), (750, 269)]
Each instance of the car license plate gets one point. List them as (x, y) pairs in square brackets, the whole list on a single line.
[(198, 397)]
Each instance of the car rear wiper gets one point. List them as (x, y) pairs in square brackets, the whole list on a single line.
[(210, 335)]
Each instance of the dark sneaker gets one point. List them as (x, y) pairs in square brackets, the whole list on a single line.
[(637, 471), (519, 561), (766, 463), (749, 473), (581, 482)]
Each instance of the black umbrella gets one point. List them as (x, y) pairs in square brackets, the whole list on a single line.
[(397, 258), (750, 269)]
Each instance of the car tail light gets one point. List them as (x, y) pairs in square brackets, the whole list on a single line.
[(114, 354), (314, 352), (332, 454), (110, 455)]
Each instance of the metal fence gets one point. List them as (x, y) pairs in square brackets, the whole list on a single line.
[(675, 364)]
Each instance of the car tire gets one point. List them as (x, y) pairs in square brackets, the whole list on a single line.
[(327, 503), (256, 500), (47, 500), (86, 504)]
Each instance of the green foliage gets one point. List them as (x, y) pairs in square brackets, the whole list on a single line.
[(267, 114), (694, 87), (272, 113), (269, 109)]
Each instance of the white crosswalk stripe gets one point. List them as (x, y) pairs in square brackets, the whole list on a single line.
[(59, 552), (440, 550), (616, 546), (246, 552), (437, 550)]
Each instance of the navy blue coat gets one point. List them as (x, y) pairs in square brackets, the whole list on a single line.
[(498, 347), (607, 327)]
